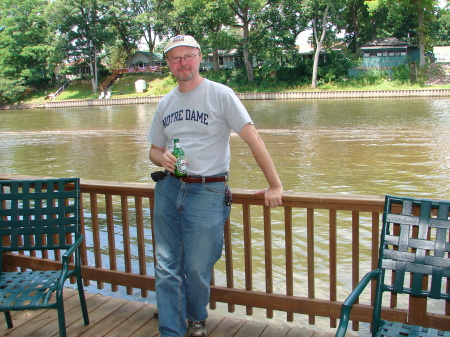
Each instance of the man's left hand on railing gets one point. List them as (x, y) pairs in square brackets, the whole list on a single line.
[(273, 196)]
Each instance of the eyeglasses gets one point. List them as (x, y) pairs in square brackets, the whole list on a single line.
[(187, 58)]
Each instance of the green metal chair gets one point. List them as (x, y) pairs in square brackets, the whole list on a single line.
[(413, 259), (40, 215)]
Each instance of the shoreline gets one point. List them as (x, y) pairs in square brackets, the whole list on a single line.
[(243, 96)]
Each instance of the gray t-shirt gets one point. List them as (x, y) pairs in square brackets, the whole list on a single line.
[(202, 119)]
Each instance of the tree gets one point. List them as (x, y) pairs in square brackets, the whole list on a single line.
[(148, 26), (378, 16), (23, 48), (213, 20), (121, 18), (404, 19), (321, 12), (413, 14), (246, 12), (441, 27), (170, 20), (424, 9), (356, 24), (319, 41), (81, 29), (274, 38), (11, 89)]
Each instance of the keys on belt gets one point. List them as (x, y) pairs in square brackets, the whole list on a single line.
[(199, 180)]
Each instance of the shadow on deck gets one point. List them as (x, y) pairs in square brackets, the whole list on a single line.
[(111, 317)]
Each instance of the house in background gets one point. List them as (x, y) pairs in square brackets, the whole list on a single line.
[(141, 59), (306, 51), (306, 54), (388, 52), (78, 69), (227, 60), (385, 53), (441, 54)]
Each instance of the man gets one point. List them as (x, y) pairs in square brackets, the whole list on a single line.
[(190, 212)]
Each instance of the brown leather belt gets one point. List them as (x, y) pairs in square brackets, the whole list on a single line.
[(199, 180)]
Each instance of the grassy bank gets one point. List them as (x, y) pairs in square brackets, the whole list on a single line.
[(158, 85)]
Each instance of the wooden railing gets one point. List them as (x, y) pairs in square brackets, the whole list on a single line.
[(133, 70), (302, 258), (147, 69), (106, 83), (60, 90)]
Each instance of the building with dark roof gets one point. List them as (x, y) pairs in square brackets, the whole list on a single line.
[(388, 52), (141, 59)]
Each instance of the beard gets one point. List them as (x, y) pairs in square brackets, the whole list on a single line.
[(184, 75)]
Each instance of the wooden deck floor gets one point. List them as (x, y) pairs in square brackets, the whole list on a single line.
[(118, 317)]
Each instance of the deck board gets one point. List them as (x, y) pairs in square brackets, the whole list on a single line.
[(114, 317)]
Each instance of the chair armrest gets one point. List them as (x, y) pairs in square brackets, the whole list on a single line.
[(65, 265), (351, 299), (69, 252)]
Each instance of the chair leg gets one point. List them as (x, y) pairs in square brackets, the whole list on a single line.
[(82, 300), (61, 319), (8, 318)]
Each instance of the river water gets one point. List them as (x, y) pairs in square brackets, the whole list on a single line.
[(371, 146), (349, 146)]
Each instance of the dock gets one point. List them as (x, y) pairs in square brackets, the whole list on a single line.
[(117, 317)]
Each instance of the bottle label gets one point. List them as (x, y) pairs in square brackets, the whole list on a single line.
[(181, 165)]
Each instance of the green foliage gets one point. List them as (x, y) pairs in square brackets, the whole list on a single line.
[(278, 24), (156, 85), (161, 85), (78, 90), (272, 75), (334, 67), (221, 76), (23, 38), (298, 75), (124, 28), (441, 27), (115, 56), (401, 74), (85, 27), (429, 71), (370, 78), (36, 35), (11, 90)]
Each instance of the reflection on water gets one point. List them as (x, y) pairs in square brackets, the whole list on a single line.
[(370, 146)]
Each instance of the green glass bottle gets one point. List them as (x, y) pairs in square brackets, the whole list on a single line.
[(180, 166)]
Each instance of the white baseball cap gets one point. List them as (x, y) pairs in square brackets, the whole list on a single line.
[(181, 40)]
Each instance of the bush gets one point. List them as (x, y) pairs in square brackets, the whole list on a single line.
[(298, 75), (335, 67), (237, 77), (11, 90), (401, 74), (221, 76), (372, 77)]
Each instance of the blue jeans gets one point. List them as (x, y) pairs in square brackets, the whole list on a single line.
[(189, 220)]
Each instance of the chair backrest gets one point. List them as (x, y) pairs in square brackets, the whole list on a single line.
[(39, 214), (415, 244)]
